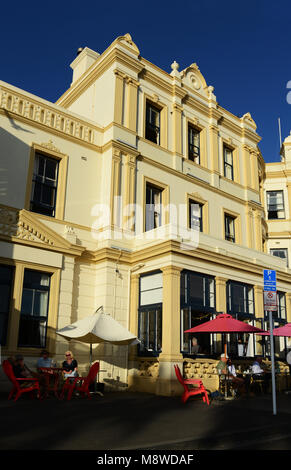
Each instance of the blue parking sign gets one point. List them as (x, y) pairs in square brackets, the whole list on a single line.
[(270, 280)]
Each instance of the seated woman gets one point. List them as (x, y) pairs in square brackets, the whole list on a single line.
[(70, 366)]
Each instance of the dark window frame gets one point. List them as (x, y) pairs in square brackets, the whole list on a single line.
[(196, 309), (190, 224), (226, 164), (43, 182), (272, 210), (193, 150), (150, 213), (227, 234), (26, 317), (152, 130), (285, 250)]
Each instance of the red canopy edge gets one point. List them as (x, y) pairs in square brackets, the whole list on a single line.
[(225, 323)]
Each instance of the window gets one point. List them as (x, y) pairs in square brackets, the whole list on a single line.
[(197, 306), (281, 302), (6, 280), (193, 144), (229, 224), (240, 298), (152, 130), (34, 309), (275, 205), (281, 253), (150, 314), (240, 304), (153, 207), (195, 215), (44, 185), (228, 162)]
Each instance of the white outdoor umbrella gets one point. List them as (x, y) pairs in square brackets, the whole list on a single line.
[(98, 328)]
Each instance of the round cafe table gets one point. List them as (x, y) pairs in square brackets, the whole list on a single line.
[(52, 380)]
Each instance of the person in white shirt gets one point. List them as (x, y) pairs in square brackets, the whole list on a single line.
[(238, 382), (256, 366), (259, 373)]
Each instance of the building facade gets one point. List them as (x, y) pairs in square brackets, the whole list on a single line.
[(136, 191)]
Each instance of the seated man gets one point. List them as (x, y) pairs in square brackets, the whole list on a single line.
[(21, 371), (259, 373), (44, 360), (227, 371)]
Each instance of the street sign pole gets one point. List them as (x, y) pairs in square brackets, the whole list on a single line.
[(273, 364), (270, 285)]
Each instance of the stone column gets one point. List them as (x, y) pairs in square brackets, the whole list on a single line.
[(129, 192), (258, 230), (115, 186), (220, 283), (133, 327), (288, 306), (167, 383), (177, 128), (247, 167), (118, 100), (14, 318), (214, 163), (132, 103)]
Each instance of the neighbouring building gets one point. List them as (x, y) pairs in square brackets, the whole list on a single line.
[(136, 191)]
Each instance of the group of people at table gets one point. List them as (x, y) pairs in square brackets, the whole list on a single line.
[(44, 364), (241, 381)]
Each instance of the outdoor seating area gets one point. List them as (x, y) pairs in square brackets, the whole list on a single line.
[(50, 380)]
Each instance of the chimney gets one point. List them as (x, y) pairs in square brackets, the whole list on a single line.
[(85, 58)]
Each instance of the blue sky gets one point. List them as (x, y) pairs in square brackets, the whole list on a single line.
[(241, 48)]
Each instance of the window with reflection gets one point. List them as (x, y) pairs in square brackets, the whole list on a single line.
[(44, 185), (197, 306), (150, 314), (34, 309), (241, 305)]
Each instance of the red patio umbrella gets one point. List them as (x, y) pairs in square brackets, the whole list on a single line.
[(224, 323), (280, 331)]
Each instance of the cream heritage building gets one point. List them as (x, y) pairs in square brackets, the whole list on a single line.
[(136, 191)]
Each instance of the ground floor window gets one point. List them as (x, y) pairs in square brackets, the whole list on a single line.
[(150, 314), (197, 306), (34, 309), (150, 330)]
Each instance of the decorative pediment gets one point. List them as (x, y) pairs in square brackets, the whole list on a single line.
[(21, 226), (193, 78), (127, 41), (247, 119)]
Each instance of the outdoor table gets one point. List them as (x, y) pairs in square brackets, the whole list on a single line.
[(52, 379), (225, 381)]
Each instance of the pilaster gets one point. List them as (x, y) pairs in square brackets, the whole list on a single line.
[(167, 383), (118, 101)]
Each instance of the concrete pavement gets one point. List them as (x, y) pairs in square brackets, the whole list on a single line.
[(135, 421)]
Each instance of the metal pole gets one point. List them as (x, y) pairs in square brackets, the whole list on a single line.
[(273, 363)]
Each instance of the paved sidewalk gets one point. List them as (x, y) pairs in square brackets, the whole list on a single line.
[(134, 421)]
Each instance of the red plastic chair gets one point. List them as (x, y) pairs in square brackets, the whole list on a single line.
[(17, 389), (80, 384), (188, 390)]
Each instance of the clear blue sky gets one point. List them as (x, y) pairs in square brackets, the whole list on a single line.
[(242, 48)]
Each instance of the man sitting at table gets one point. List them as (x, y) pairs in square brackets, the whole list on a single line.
[(259, 373), (227, 370), (44, 360)]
